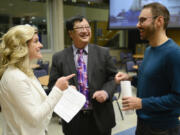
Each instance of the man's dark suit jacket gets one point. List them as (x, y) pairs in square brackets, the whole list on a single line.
[(101, 72)]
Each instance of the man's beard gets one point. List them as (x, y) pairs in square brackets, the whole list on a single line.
[(148, 32)]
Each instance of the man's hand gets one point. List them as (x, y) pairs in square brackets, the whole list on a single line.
[(120, 76), (62, 82), (100, 96), (130, 103)]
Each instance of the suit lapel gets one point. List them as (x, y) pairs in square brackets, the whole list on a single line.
[(71, 63), (90, 62)]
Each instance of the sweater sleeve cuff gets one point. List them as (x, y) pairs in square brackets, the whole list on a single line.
[(144, 103)]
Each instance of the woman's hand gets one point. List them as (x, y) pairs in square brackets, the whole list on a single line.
[(62, 83)]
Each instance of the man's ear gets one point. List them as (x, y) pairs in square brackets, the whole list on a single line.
[(160, 21), (70, 33)]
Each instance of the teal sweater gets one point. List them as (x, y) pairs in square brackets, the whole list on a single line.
[(159, 86)]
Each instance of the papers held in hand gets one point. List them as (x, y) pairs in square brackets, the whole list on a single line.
[(70, 104)]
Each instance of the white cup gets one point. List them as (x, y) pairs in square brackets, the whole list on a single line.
[(126, 91)]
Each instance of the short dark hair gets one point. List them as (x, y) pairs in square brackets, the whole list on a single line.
[(158, 9), (70, 22)]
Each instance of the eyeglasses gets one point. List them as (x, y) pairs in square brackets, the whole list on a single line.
[(82, 28), (141, 20)]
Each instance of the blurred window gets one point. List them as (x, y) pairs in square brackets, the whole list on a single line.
[(33, 12)]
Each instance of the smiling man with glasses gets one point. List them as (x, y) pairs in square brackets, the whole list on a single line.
[(158, 81), (95, 71)]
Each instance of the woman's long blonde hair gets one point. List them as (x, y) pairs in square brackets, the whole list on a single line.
[(14, 48)]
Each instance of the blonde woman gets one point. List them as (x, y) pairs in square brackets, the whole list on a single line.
[(26, 108)]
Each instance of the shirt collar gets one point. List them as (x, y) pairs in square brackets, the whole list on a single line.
[(76, 49)]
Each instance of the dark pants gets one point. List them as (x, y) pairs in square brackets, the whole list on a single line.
[(144, 129), (82, 124)]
